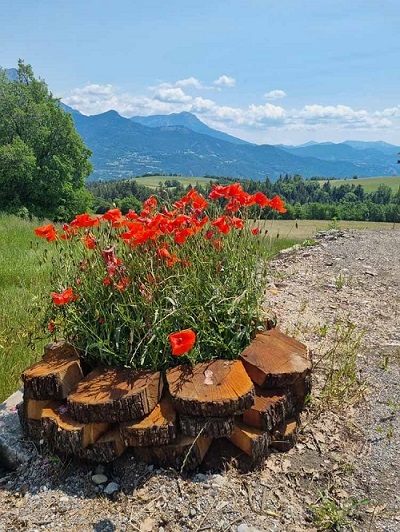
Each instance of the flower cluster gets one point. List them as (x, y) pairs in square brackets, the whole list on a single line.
[(126, 282)]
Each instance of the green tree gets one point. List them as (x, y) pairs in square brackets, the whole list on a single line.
[(43, 160)]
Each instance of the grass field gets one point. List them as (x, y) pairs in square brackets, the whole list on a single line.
[(25, 285), (370, 184), (303, 229), (154, 180)]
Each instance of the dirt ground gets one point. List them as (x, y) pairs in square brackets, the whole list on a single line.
[(342, 298)]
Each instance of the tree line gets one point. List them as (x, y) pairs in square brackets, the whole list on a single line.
[(305, 199)]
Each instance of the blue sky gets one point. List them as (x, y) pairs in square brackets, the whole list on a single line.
[(269, 71)]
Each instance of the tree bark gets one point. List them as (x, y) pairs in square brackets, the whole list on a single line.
[(65, 434), (107, 448), (251, 441), (158, 428), (207, 427), (53, 377), (184, 453), (218, 388), (284, 437), (271, 406), (113, 394)]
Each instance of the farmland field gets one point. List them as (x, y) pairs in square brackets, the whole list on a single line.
[(370, 184), (154, 180)]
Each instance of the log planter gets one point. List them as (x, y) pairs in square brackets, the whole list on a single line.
[(179, 419)]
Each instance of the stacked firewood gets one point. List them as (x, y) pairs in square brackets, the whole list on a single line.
[(170, 419)]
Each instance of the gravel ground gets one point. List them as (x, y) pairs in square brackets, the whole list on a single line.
[(349, 452)]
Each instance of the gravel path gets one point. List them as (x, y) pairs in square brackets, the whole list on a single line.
[(345, 285)]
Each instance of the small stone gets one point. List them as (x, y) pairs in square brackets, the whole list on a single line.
[(99, 479), (192, 512), (63, 499), (111, 488), (246, 528), (150, 468)]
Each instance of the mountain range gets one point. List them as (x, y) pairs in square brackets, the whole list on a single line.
[(180, 143)]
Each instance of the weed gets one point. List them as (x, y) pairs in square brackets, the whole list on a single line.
[(330, 514), (338, 362), (309, 243), (385, 363), (340, 281)]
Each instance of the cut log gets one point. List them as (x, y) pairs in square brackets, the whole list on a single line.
[(184, 453), (301, 389), (253, 442), (52, 377), (107, 448), (271, 407), (275, 360), (32, 428), (158, 428), (65, 434), (114, 394), (33, 409), (284, 437), (207, 427), (218, 388), (60, 348)]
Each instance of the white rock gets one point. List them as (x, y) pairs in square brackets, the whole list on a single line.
[(99, 479)]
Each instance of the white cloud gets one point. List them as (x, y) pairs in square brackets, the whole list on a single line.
[(171, 95), (189, 82), (224, 81), (275, 94), (339, 114), (253, 121)]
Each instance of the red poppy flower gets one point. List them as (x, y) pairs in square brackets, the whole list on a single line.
[(222, 225), (65, 297), (261, 199), (89, 241), (84, 220), (164, 253), (255, 231), (51, 326), (182, 341), (277, 204), (237, 222), (47, 231)]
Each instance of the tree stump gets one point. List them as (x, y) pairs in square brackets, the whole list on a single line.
[(115, 394), (33, 409), (60, 348), (53, 377), (32, 428), (184, 453), (253, 442), (65, 434), (207, 427), (218, 388), (275, 360), (107, 448), (271, 406), (284, 437), (158, 428)]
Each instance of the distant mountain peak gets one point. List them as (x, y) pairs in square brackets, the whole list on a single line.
[(188, 120)]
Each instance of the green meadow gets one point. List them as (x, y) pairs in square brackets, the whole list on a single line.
[(370, 184), (24, 283)]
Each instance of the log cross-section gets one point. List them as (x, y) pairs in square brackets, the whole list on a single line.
[(276, 360), (114, 394), (158, 428), (65, 434), (218, 388), (271, 407), (253, 442), (53, 377)]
